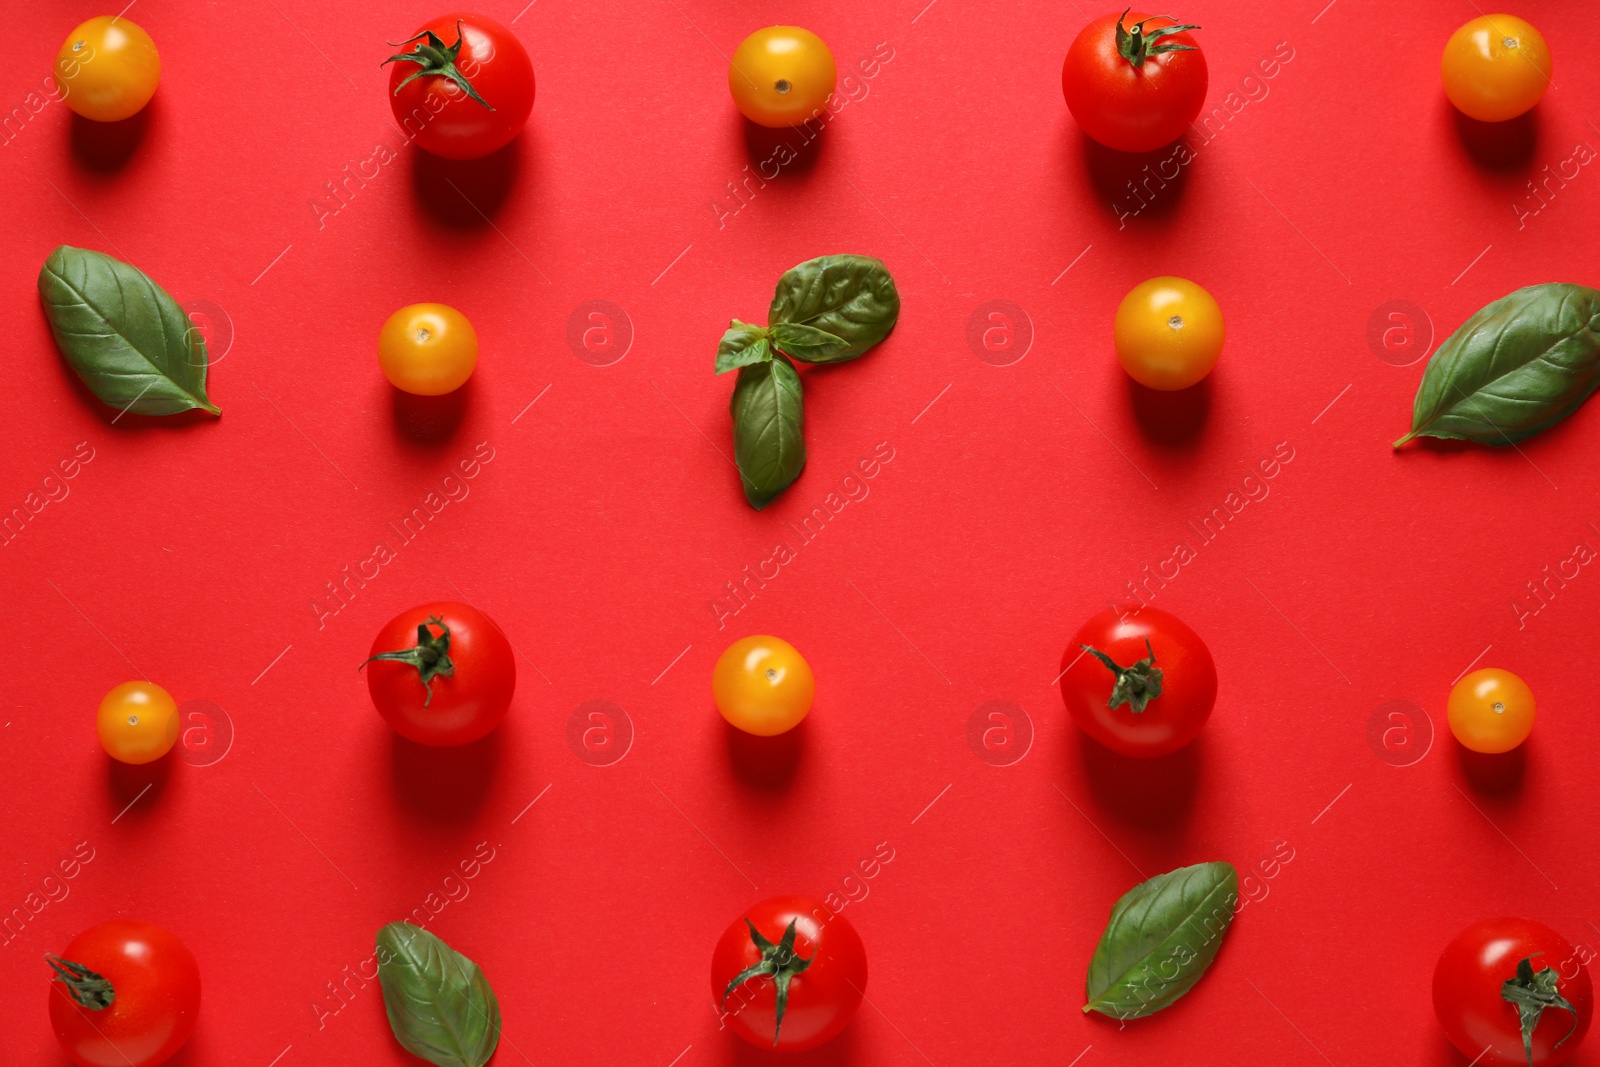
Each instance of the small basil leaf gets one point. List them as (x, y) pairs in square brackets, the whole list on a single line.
[(809, 344), (129, 341), (440, 1005), (1162, 936), (851, 297), (741, 346), (768, 429), (1519, 366)]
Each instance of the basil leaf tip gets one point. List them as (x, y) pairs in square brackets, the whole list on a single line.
[(440, 1006), (123, 335), (768, 429)]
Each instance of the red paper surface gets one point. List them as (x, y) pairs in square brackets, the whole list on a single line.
[(1019, 499)]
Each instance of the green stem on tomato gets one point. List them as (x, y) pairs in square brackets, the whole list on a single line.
[(434, 57), (1532, 993), (778, 962), (1136, 685), (87, 988), (430, 656), (1135, 45)]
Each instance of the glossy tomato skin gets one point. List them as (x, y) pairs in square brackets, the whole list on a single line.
[(1128, 108), (107, 69), (763, 685), (465, 706), (1491, 710), (1495, 67), (137, 722), (822, 999), (1188, 683), (441, 117), (1168, 333), (157, 985), (427, 349), (781, 76), (1479, 1021)]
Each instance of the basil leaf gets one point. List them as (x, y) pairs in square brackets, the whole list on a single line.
[(1162, 936), (809, 344), (440, 1005), (768, 429), (129, 342), (851, 297), (1519, 366), (741, 346)]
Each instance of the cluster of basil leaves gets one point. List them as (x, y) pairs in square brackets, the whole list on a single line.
[(826, 310)]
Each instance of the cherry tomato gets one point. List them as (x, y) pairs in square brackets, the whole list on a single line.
[(789, 974), (1493, 966), (1495, 68), (1138, 681), (782, 76), (763, 685), (442, 674), (1491, 710), (151, 982), (107, 69), (1168, 333), (427, 349), (137, 722), (1134, 85), (465, 89)]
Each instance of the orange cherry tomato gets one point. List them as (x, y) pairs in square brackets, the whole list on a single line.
[(428, 349), (763, 685), (137, 722), (1168, 333), (782, 76), (1495, 68), (1491, 710), (107, 69)]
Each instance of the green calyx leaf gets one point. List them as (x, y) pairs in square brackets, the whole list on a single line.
[(88, 989), (440, 1005), (809, 344), (1137, 44), (1161, 937), (1136, 686), (778, 962), (434, 58), (768, 428), (1517, 367), (851, 297), (123, 335), (430, 656), (742, 346), (1533, 993)]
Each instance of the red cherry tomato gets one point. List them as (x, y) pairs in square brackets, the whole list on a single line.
[(800, 942), (1134, 82), (151, 982), (464, 89), (1157, 689), (1493, 966), (442, 674)]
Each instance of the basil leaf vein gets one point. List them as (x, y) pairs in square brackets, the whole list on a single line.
[(851, 297), (768, 428), (741, 346), (809, 344), (440, 1005)]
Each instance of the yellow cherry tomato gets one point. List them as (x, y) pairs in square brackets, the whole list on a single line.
[(1495, 68), (138, 722), (782, 76), (763, 685), (1491, 711), (107, 69), (1168, 333), (428, 349)]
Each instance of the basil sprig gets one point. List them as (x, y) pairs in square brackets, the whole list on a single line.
[(826, 310), (440, 1005), (1162, 936), (123, 335), (1519, 366)]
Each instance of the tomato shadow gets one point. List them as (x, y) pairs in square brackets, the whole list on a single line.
[(444, 785), (778, 151), (466, 194), (1140, 185), (1146, 794), (1500, 775), (1497, 146), (768, 764), (127, 783), (106, 147), (1173, 418), (429, 420)]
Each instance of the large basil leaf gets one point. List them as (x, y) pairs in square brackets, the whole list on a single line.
[(440, 1005), (1519, 366), (808, 344), (1162, 936), (851, 297), (768, 429), (741, 346), (130, 342)]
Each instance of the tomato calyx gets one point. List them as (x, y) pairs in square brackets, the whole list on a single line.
[(1533, 992), (778, 962), (431, 656), (436, 59), (1136, 685), (1136, 45), (88, 989)]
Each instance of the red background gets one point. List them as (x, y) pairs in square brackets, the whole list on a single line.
[(1016, 505)]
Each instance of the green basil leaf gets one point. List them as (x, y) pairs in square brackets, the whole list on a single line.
[(129, 342), (851, 297), (809, 344), (768, 429), (1162, 936), (741, 346), (440, 1005), (1519, 366)]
